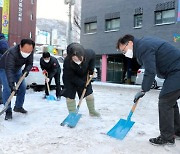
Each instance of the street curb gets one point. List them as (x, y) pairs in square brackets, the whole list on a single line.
[(115, 85)]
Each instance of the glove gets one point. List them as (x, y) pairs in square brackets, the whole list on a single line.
[(91, 72), (13, 88), (27, 73), (47, 79), (140, 94), (45, 72)]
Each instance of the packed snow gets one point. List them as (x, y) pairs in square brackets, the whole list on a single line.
[(39, 132)]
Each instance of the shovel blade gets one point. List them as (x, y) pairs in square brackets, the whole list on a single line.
[(71, 120), (50, 98), (120, 130)]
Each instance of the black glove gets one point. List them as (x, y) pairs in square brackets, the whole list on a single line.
[(27, 73), (91, 72), (13, 87), (140, 94)]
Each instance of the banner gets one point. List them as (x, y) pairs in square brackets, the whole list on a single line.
[(5, 18), (178, 18)]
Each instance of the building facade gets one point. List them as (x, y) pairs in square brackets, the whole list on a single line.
[(21, 21), (104, 21)]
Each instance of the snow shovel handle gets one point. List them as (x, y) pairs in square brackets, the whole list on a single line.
[(84, 91), (132, 110), (46, 76)]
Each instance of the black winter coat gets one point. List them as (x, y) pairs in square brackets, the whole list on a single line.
[(52, 67), (3, 44), (75, 76), (12, 61), (161, 58)]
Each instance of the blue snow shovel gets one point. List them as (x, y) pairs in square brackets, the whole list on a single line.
[(120, 130), (49, 97), (72, 119)]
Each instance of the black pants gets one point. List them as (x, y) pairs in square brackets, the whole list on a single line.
[(169, 118), (57, 82)]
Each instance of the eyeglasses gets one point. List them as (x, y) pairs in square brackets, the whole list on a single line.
[(124, 48)]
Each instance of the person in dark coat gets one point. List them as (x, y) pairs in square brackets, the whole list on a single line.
[(78, 63), (51, 69), (11, 70), (161, 58), (3, 47)]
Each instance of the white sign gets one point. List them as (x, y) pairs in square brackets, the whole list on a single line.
[(20, 10)]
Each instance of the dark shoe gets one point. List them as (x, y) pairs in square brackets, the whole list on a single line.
[(160, 141), (8, 115), (21, 110), (177, 136)]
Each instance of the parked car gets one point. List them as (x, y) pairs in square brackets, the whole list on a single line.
[(156, 84), (35, 79)]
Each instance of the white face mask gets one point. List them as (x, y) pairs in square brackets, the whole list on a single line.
[(25, 55), (47, 60), (129, 53), (78, 62)]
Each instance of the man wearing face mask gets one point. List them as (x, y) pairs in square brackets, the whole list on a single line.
[(51, 69), (78, 63), (11, 70), (161, 58)]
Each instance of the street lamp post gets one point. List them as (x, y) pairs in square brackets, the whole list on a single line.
[(69, 37)]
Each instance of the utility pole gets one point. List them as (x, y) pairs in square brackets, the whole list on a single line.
[(69, 33)]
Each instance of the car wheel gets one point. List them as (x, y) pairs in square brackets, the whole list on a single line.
[(154, 85)]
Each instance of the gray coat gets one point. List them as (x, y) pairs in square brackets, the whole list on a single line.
[(161, 58)]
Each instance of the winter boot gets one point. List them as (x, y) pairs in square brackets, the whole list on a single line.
[(21, 110), (8, 115), (90, 105), (71, 105), (160, 141)]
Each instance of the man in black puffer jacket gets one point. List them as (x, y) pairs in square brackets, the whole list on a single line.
[(161, 58), (78, 63), (52, 69), (10, 71)]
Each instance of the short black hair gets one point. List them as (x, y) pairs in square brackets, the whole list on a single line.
[(27, 41), (75, 49), (125, 39), (46, 54)]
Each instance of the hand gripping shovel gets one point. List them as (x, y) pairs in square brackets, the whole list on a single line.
[(72, 119), (120, 130), (49, 97), (12, 94)]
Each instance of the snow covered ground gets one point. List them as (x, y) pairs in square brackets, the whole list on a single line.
[(39, 132)]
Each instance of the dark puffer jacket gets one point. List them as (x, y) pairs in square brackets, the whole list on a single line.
[(161, 58), (75, 76), (3, 44), (12, 61), (52, 67)]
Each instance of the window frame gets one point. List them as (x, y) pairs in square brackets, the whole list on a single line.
[(136, 15), (164, 23), (111, 29), (90, 31)]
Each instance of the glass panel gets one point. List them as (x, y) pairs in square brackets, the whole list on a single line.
[(158, 17), (115, 24), (168, 16)]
